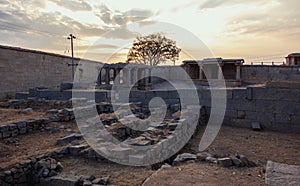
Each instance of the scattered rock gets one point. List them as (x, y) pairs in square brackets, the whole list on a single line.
[(52, 111), (75, 142), (203, 155), (27, 110), (236, 162), (68, 139), (225, 162), (101, 181), (211, 159), (184, 157), (244, 159)]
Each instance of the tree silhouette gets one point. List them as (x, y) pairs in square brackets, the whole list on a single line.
[(152, 50)]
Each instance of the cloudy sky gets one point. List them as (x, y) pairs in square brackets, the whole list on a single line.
[(257, 30)]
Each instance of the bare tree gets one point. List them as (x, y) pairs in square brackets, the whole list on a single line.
[(153, 49)]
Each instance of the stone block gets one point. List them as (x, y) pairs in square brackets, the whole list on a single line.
[(256, 126), (287, 107), (239, 94), (295, 120), (225, 162), (251, 115), (4, 128), (241, 123), (241, 114), (23, 130), (74, 150), (282, 174), (265, 106), (66, 86), (6, 134), (14, 132), (21, 124), (241, 104)]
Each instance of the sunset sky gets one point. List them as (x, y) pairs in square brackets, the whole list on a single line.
[(257, 30)]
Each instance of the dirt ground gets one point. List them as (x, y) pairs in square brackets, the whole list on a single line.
[(256, 146), (14, 115)]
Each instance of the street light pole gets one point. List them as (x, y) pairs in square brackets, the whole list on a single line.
[(71, 37)]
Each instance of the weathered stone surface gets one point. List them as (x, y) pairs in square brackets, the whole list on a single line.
[(74, 150), (282, 174), (244, 159), (68, 139), (60, 180), (203, 155), (256, 126), (236, 162), (225, 162), (211, 159), (27, 110), (101, 181), (184, 157)]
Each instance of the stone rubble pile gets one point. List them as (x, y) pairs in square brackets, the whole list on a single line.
[(22, 127), (70, 180), (236, 161), (63, 115), (31, 171)]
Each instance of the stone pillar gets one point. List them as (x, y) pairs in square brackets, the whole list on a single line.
[(128, 79), (220, 72), (107, 76), (117, 76), (149, 73), (146, 72), (200, 72), (99, 79), (238, 72), (135, 75)]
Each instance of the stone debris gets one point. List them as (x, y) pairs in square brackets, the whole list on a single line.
[(211, 159), (63, 115), (237, 161), (35, 168), (27, 111), (202, 156), (68, 139), (184, 157), (225, 162)]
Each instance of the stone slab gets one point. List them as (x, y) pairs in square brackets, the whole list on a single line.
[(282, 174)]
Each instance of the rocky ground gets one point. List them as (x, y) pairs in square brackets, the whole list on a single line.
[(191, 168)]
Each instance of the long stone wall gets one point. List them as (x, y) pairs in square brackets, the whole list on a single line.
[(267, 73), (21, 69), (274, 108)]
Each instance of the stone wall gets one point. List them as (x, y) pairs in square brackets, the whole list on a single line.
[(274, 108), (266, 73), (21, 69)]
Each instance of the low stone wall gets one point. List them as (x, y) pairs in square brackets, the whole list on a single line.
[(22, 127)]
